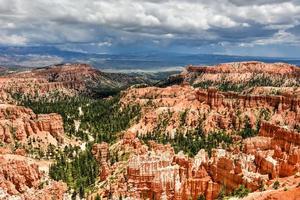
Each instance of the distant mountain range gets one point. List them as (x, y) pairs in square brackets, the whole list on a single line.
[(129, 62)]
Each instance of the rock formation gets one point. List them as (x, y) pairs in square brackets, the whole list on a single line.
[(22, 180), (23, 125), (69, 79), (17, 176), (133, 169), (101, 153), (65, 79), (248, 67), (214, 109), (277, 74), (159, 173)]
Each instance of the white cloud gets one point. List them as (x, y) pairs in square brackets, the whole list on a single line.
[(280, 37), (12, 39), (38, 21), (104, 44), (281, 13)]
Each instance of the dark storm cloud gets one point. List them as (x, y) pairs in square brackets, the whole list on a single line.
[(120, 22)]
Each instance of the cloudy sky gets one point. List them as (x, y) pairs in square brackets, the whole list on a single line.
[(235, 27)]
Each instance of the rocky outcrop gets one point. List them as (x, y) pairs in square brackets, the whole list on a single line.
[(270, 91), (248, 67), (51, 123), (160, 173), (214, 98), (17, 176), (59, 73), (67, 79), (165, 175), (184, 107), (22, 180), (246, 74), (281, 157), (56, 190), (101, 153), (23, 125), (283, 136)]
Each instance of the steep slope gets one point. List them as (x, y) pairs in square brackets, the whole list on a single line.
[(243, 75), (25, 178), (26, 140), (69, 79), (178, 109), (20, 125), (157, 172)]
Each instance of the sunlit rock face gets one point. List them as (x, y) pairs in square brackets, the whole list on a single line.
[(282, 157), (21, 124), (64, 79), (22, 179), (256, 162), (133, 169), (68, 78), (101, 153), (243, 72), (211, 109), (160, 173)]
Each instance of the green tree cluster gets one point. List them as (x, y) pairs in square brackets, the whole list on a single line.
[(99, 118), (191, 142), (79, 173)]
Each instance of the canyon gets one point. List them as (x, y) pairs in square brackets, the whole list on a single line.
[(209, 108), (225, 131), (256, 162), (159, 173)]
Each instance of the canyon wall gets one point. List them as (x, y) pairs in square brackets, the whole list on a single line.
[(215, 98), (186, 107), (23, 125), (68, 78), (159, 173), (280, 157), (156, 173), (248, 67), (20, 179)]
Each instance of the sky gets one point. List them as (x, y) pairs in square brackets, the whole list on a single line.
[(231, 27)]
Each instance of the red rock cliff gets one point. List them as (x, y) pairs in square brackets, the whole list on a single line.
[(215, 98), (249, 67), (21, 124)]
